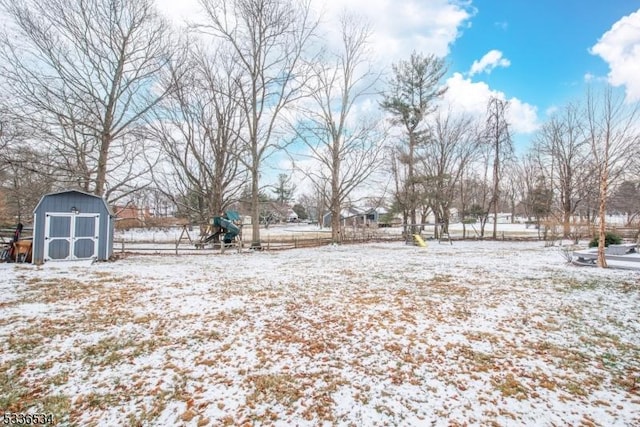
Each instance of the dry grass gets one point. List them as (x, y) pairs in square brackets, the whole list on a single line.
[(350, 344)]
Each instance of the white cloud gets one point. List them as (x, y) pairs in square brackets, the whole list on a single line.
[(592, 78), (402, 26), (620, 48), (472, 98), (489, 61), (399, 27), (469, 96), (523, 117)]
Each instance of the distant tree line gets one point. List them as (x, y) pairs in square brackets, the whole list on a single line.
[(104, 96)]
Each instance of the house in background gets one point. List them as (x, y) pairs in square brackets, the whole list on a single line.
[(291, 215), (132, 212), (503, 218), (357, 217)]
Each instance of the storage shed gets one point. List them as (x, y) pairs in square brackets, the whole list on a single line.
[(72, 225)]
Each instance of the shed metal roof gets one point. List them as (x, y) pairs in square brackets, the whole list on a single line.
[(55, 193)]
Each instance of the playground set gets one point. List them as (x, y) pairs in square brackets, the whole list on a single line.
[(223, 231), (413, 234)]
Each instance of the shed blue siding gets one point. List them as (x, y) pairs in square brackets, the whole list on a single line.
[(65, 203)]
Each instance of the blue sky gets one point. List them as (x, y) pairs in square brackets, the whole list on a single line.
[(547, 44), (538, 54)]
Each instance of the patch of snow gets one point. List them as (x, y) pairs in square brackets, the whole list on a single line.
[(476, 332)]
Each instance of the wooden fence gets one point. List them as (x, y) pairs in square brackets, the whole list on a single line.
[(293, 241)]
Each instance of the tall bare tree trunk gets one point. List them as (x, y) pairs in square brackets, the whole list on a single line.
[(602, 212), (614, 138), (496, 182), (412, 179), (255, 210), (336, 225), (336, 230), (566, 223), (602, 205), (101, 176)]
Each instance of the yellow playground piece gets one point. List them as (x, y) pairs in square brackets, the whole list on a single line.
[(419, 241)]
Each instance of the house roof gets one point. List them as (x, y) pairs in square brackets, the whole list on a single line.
[(381, 210), (350, 212)]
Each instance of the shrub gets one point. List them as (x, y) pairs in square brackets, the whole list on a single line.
[(610, 239)]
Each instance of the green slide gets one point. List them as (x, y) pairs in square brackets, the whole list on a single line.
[(228, 227)]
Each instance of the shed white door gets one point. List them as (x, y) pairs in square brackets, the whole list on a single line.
[(69, 236)]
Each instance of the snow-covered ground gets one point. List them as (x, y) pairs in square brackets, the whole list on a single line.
[(300, 230), (474, 333)]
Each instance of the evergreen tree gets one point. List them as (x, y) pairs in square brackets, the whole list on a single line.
[(415, 86), (284, 189)]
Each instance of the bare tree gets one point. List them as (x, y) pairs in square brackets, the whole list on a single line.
[(10, 137), (614, 137), (396, 167), (528, 170), (269, 38), (626, 199), (539, 199), (480, 187), (451, 148), (156, 201), (463, 202), (512, 188), (414, 88), (313, 206), (563, 151), (83, 74), (24, 185), (198, 127), (4, 138), (498, 137), (348, 146), (474, 193), (315, 201), (25, 173)]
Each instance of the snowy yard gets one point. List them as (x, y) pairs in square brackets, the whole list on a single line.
[(474, 333), (301, 231)]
